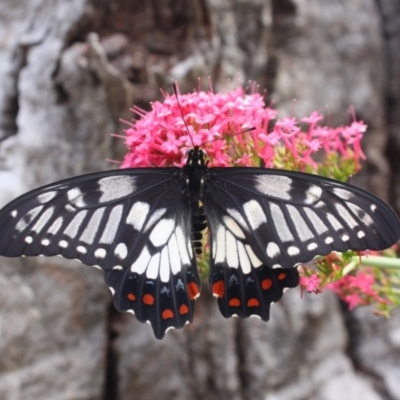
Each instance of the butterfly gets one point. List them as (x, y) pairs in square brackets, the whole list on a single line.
[(144, 227)]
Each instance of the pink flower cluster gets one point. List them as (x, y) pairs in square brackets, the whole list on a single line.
[(357, 289), (160, 137)]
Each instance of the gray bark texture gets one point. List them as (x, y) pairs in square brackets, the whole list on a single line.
[(69, 69)]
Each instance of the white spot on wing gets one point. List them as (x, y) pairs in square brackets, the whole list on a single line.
[(164, 265), (92, 227), (75, 197), (345, 238), (293, 251), (182, 246), (45, 242), (29, 239), (117, 268), (343, 194), (244, 260), (81, 249), (112, 225), (43, 219), (73, 227), (235, 214), (334, 222), (189, 246), (254, 213), (329, 240), (174, 256), (350, 221), (312, 246), (373, 207), (56, 225), (153, 267), (112, 290), (316, 221), (161, 233), (280, 224), (100, 253), (274, 185), (69, 208), (63, 244), (121, 251), (232, 254), (364, 217), (219, 256), (141, 262), (233, 227), (14, 213), (45, 197), (255, 262), (154, 218), (28, 218), (313, 194), (360, 234), (273, 250), (116, 187), (302, 229), (137, 215)]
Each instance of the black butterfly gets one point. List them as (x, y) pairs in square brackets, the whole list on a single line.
[(143, 227)]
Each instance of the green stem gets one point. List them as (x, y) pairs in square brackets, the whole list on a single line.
[(378, 261)]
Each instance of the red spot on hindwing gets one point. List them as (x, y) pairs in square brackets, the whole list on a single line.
[(183, 309), (234, 302), (193, 290), (131, 297), (148, 299), (253, 302), (218, 289), (167, 314), (266, 284), (281, 276)]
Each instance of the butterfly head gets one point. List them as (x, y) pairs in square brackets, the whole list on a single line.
[(196, 157)]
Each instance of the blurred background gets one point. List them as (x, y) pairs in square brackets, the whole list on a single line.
[(69, 70)]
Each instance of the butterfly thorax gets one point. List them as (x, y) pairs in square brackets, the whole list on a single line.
[(195, 172), (195, 175)]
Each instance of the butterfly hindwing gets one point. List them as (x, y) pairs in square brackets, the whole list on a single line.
[(131, 223), (250, 294)]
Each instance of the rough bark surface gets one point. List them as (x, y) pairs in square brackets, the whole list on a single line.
[(62, 94)]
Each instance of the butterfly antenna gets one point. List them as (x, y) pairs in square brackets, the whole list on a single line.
[(228, 136), (180, 109)]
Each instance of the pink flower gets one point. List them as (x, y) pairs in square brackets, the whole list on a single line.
[(353, 300), (311, 283), (357, 289), (314, 118)]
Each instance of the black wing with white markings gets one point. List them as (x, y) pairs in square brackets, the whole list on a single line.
[(131, 223), (263, 222)]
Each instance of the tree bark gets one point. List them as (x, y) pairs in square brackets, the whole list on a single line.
[(63, 92)]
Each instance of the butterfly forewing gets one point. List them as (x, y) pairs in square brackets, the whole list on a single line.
[(123, 222)]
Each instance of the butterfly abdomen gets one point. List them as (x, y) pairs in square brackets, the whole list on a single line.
[(199, 223), (195, 175)]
